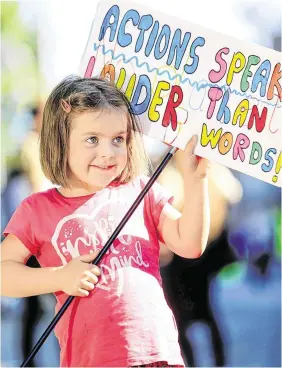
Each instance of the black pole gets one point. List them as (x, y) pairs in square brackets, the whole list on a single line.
[(101, 253)]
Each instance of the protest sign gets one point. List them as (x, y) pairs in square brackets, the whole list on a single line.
[(184, 79)]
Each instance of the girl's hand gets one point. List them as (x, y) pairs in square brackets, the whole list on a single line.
[(79, 276), (192, 166)]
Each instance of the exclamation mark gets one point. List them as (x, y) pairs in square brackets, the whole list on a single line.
[(277, 168), (90, 67)]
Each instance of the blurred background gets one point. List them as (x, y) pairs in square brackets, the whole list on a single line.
[(227, 304)]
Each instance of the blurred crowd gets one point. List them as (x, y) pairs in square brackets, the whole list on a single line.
[(227, 303)]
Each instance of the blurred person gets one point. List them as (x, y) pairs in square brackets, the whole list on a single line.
[(30, 155), (12, 309), (23, 319), (17, 188), (186, 281), (94, 156), (246, 298), (39, 309)]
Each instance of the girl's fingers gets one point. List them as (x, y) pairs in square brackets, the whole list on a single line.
[(203, 167), (82, 292), (95, 270), (191, 145), (87, 285), (90, 276)]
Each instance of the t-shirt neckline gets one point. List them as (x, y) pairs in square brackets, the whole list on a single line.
[(84, 197), (77, 198)]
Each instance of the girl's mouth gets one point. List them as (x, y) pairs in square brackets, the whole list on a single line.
[(104, 168)]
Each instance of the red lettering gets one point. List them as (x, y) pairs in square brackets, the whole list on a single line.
[(170, 115)]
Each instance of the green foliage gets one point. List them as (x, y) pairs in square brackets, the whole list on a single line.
[(19, 87), (13, 28)]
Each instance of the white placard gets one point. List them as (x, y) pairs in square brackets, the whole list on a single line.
[(184, 79)]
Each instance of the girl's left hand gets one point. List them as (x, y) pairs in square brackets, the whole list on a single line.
[(192, 166)]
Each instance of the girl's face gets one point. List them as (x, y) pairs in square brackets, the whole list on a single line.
[(97, 149)]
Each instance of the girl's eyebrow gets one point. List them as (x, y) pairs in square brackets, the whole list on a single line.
[(97, 134)]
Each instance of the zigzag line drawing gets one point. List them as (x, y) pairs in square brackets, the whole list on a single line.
[(171, 78)]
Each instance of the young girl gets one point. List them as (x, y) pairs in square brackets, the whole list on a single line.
[(90, 150)]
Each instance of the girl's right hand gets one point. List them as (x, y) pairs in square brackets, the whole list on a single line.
[(79, 276)]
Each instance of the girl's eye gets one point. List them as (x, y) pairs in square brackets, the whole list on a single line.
[(119, 139), (92, 140)]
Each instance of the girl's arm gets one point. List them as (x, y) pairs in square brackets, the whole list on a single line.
[(186, 234), (18, 280)]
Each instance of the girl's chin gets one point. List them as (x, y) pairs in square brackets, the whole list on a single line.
[(95, 182), (102, 183)]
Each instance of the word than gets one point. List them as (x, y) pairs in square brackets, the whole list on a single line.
[(240, 114)]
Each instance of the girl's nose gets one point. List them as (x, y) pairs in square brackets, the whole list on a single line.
[(107, 150)]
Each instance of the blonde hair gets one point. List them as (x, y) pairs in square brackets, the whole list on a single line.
[(71, 97)]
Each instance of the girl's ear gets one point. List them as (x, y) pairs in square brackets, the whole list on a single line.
[(65, 106)]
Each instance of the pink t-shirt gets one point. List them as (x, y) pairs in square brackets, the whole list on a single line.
[(125, 320)]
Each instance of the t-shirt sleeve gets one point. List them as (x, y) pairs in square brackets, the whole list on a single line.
[(20, 225), (159, 197)]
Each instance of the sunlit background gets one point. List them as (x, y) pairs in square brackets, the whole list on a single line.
[(228, 303)]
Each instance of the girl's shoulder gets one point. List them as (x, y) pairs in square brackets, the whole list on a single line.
[(41, 196)]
